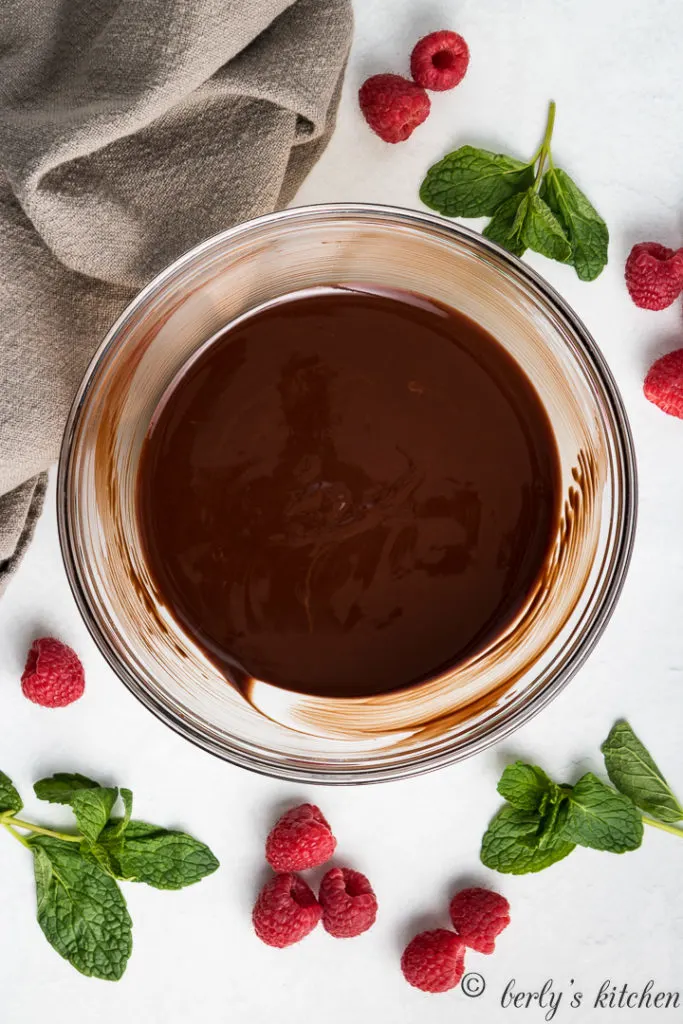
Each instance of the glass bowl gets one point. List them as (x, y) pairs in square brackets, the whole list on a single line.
[(439, 721)]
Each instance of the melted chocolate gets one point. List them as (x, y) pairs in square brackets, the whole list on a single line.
[(347, 492)]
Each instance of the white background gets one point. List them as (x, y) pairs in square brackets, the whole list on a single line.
[(615, 69)]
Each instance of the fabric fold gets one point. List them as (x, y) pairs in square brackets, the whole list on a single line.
[(129, 132)]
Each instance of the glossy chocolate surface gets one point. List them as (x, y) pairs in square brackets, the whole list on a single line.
[(348, 492)]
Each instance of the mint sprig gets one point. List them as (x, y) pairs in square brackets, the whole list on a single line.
[(81, 909), (532, 205), (543, 821)]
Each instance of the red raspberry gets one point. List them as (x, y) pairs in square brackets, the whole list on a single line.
[(393, 106), (434, 961), (439, 61), (654, 275), (348, 902), (53, 676), (479, 915), (286, 911), (301, 839), (664, 383)]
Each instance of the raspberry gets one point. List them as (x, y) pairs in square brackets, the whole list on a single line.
[(439, 61), (479, 915), (393, 106), (664, 383), (654, 275), (301, 839), (348, 902), (434, 961), (286, 911), (53, 676)]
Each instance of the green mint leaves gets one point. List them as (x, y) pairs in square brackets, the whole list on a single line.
[(502, 228), (119, 827), (9, 798), (527, 834), (634, 773), (541, 231), (512, 844), (61, 788), (91, 803), (582, 224), (531, 207), (474, 182), (600, 818), (81, 909), (160, 857), (163, 858), (542, 822), (525, 222), (526, 787), (92, 808)]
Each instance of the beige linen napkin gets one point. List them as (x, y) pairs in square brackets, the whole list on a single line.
[(130, 130)]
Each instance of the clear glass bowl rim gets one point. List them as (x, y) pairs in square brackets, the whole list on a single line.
[(623, 546)]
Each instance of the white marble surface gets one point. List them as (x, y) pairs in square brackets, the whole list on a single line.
[(615, 69)]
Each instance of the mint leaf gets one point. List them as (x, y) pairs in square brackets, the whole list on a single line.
[(505, 846), (473, 182), (601, 818), (81, 910), (60, 788), (552, 822), (92, 808), (585, 228), (504, 227), (92, 804), (9, 797), (551, 815), (108, 849), (120, 826), (526, 222), (127, 797), (525, 786), (163, 858), (633, 772), (106, 854), (542, 232)]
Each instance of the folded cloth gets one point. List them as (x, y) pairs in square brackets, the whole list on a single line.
[(130, 130)]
